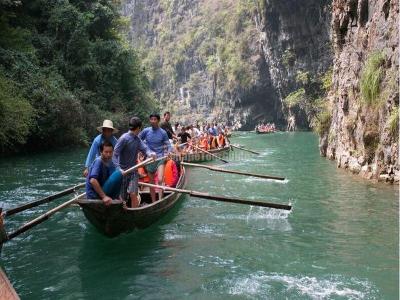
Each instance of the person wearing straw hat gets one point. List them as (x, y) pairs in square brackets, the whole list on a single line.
[(107, 134)]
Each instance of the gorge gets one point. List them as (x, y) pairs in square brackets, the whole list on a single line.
[(245, 62)]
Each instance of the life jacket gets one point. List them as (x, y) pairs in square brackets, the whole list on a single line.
[(143, 177), (171, 173), (221, 140)]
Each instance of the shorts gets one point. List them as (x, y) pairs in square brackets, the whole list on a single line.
[(129, 185), (152, 168)]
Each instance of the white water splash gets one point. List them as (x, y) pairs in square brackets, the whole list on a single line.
[(284, 286)]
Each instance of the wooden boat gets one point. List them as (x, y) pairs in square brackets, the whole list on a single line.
[(7, 291), (264, 132), (114, 219), (201, 156)]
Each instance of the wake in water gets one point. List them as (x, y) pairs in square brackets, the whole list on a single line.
[(281, 286)]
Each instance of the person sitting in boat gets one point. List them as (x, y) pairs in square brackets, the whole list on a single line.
[(101, 168), (203, 143), (107, 134), (221, 140), (157, 141), (171, 174), (126, 156)]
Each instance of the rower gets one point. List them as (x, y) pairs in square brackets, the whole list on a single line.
[(126, 155), (157, 141), (98, 173), (107, 131)]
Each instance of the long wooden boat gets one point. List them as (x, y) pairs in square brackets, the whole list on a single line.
[(114, 219), (7, 291), (264, 132), (202, 157)]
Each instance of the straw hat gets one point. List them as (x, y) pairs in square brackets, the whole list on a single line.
[(107, 124)]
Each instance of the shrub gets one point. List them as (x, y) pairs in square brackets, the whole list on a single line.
[(294, 98), (371, 77), (393, 121)]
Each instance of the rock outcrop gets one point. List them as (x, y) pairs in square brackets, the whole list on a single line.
[(364, 99)]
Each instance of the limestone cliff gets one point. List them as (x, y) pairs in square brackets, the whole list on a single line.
[(364, 99), (230, 60)]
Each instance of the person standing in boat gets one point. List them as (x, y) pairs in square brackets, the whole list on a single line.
[(126, 156), (98, 173), (107, 134), (157, 140), (166, 125)]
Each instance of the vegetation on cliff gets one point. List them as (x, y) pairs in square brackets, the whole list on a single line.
[(64, 66), (212, 45)]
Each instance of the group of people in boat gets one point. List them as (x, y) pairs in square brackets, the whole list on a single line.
[(159, 140), (268, 127)]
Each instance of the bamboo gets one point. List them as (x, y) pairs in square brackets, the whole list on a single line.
[(42, 218), (244, 149), (213, 155), (232, 172), (220, 198), (47, 199)]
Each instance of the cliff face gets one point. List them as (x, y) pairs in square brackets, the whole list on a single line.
[(364, 99), (230, 60)]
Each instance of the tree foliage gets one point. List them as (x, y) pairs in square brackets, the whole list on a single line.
[(71, 66)]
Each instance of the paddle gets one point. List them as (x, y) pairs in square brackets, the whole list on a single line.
[(220, 198), (113, 184), (244, 149), (213, 155), (41, 218), (35, 203), (231, 171)]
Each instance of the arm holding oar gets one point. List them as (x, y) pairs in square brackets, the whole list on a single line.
[(213, 155), (220, 198), (232, 172), (244, 149)]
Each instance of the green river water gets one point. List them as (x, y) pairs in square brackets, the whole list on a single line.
[(339, 242)]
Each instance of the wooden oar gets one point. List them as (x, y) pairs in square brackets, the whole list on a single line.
[(244, 149), (42, 218), (113, 184), (232, 172), (213, 155), (220, 198), (35, 203)]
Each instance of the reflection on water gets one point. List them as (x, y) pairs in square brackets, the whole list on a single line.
[(340, 241)]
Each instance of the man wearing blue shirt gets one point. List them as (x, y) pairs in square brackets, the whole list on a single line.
[(125, 156), (157, 140), (101, 168), (107, 131)]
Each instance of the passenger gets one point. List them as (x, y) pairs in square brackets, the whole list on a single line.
[(221, 140), (157, 140), (98, 173), (107, 131), (184, 135), (166, 125), (171, 174), (126, 156)]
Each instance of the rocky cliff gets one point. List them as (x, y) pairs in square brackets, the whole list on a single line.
[(230, 60), (364, 98)]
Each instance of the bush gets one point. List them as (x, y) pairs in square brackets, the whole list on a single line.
[(371, 77), (393, 121), (322, 122), (294, 98), (16, 115)]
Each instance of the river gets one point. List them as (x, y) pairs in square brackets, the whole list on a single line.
[(339, 242)]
